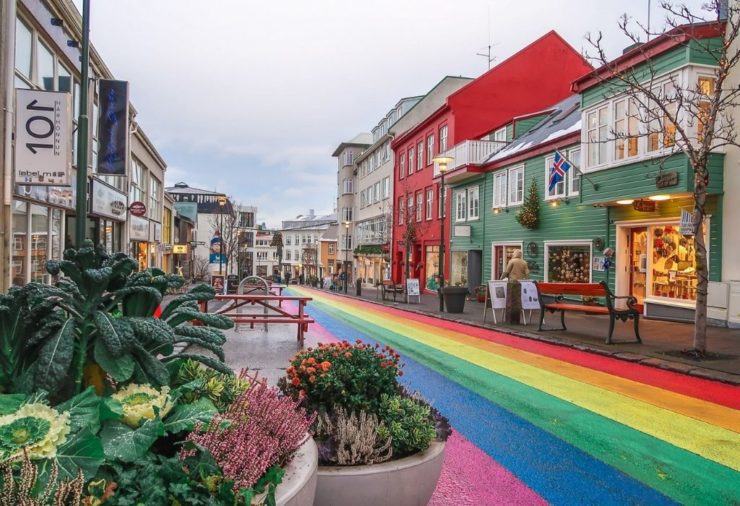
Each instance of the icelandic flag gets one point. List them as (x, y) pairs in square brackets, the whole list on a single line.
[(557, 172)]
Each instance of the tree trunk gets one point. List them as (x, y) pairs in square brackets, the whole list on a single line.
[(406, 269), (701, 179)]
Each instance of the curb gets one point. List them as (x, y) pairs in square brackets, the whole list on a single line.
[(659, 363)]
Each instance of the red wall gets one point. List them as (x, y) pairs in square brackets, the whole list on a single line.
[(533, 79)]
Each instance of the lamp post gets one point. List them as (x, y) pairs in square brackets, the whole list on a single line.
[(82, 130), (221, 204), (346, 253), (443, 162)]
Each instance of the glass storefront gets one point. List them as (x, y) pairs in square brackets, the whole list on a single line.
[(20, 227), (459, 268), (568, 263), (37, 238), (432, 268)]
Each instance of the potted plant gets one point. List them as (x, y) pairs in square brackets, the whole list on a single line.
[(373, 436), (454, 297), (480, 293)]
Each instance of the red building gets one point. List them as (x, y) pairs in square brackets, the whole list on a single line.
[(468, 128)]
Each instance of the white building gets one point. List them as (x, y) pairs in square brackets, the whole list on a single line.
[(301, 244), (266, 259)]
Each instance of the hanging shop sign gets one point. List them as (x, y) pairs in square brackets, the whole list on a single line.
[(687, 223), (107, 201), (138, 229), (666, 180), (113, 127), (43, 138), (180, 249), (137, 208), (644, 206)]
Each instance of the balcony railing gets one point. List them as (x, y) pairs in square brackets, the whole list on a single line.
[(470, 153)]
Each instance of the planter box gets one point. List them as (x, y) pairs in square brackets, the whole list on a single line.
[(299, 483), (405, 482), (454, 297)]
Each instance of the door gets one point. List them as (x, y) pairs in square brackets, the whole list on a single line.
[(638, 262), (502, 253)]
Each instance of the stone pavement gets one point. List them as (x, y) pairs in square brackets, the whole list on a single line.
[(661, 346)]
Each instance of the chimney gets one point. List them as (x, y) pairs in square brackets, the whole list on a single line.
[(311, 213)]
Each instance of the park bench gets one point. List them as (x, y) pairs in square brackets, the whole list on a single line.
[(558, 297), (389, 288), (275, 313)]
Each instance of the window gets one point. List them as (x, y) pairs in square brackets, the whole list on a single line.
[(348, 157), (347, 241), (430, 203), (45, 67), (400, 210), (568, 262), (23, 48), (596, 136), (625, 128), (572, 179), (499, 189), (430, 149), (411, 161), (410, 208), (473, 203), (331, 248), (155, 208), (376, 193), (287, 255), (443, 139), (138, 181), (419, 205), (363, 199), (500, 135), (442, 213), (347, 185), (386, 187), (516, 186), (346, 214), (401, 166), (369, 195), (706, 86), (460, 205), (420, 155)]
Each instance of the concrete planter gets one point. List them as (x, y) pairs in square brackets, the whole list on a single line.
[(299, 483), (454, 297), (405, 482)]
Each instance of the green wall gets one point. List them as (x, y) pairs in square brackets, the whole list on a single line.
[(523, 126)]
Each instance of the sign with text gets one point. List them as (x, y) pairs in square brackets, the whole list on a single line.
[(644, 206), (498, 294), (412, 287), (113, 127), (180, 249), (138, 229), (530, 298), (137, 208), (107, 201), (687, 222), (666, 180), (43, 138)]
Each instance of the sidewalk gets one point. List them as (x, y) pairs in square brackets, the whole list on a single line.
[(661, 346)]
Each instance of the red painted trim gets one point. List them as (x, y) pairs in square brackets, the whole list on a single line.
[(669, 40), (536, 151), (420, 128)]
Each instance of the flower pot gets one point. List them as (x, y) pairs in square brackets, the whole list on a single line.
[(299, 483), (454, 297), (405, 482)]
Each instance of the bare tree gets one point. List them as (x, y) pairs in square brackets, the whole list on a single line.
[(277, 242), (200, 268), (696, 119), (227, 223)]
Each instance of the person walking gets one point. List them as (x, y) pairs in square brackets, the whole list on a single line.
[(517, 268)]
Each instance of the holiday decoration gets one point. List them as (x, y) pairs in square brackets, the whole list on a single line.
[(569, 264), (529, 215)]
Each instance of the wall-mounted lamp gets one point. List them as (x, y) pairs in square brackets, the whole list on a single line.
[(555, 203)]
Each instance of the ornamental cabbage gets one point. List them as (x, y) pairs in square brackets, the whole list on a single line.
[(143, 402), (34, 428)]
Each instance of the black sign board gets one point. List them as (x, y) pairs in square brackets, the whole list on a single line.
[(113, 127), (666, 180), (644, 206), (232, 283)]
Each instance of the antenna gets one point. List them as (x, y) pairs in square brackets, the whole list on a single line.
[(648, 23), (487, 55)]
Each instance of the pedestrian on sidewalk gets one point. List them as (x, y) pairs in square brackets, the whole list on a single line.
[(517, 268)]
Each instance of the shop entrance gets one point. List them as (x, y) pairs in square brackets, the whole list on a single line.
[(502, 253), (638, 252)]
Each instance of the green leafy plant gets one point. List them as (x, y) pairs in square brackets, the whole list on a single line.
[(23, 485), (529, 215), (100, 314), (349, 439), (196, 382), (353, 376), (407, 422)]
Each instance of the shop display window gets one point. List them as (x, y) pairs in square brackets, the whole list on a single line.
[(459, 268), (568, 263), (39, 242), (20, 239), (673, 266), (432, 268)]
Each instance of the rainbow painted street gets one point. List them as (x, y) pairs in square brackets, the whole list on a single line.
[(537, 423)]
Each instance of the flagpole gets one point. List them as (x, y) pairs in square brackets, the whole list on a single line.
[(580, 172)]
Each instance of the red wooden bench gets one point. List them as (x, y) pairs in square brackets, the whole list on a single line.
[(272, 303), (553, 297)]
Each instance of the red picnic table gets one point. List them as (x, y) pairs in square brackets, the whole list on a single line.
[(274, 312)]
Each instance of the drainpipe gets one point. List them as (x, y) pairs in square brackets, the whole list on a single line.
[(7, 71)]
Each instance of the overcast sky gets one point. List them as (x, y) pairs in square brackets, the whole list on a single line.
[(251, 97)]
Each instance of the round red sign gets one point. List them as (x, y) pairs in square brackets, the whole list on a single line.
[(137, 208)]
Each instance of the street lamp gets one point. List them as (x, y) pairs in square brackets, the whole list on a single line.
[(346, 252), (221, 204), (443, 162)]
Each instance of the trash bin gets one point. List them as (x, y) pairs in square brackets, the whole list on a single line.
[(358, 287)]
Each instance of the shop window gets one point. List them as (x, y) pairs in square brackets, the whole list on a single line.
[(672, 263), (20, 242), (568, 263), (431, 263), (459, 268), (23, 48)]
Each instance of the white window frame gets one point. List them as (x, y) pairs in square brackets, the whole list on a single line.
[(430, 148), (411, 160), (567, 186), (443, 138), (419, 155), (430, 203), (401, 209), (473, 203), (499, 183), (500, 135), (461, 205), (504, 244), (402, 165), (573, 175), (376, 192), (410, 208), (419, 206), (511, 173), (567, 242)]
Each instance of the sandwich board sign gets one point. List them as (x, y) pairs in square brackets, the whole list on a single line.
[(412, 289), (530, 300)]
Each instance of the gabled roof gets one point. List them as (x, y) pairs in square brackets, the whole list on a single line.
[(183, 188), (563, 121)]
